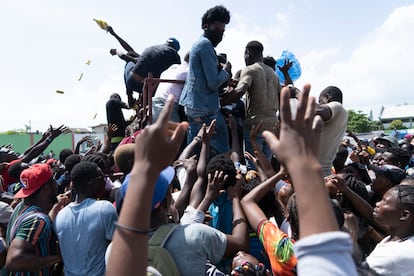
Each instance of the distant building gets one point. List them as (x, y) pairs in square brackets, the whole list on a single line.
[(405, 113)]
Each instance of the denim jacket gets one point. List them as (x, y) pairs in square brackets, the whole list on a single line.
[(200, 90)]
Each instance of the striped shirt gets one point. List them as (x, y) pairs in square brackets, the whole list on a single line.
[(31, 224)]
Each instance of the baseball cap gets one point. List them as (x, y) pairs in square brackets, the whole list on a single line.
[(33, 178), (161, 187), (391, 139), (391, 172), (5, 212), (174, 43)]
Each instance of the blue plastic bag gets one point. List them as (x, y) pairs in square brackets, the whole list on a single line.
[(294, 72)]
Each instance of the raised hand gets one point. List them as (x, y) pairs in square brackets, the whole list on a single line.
[(155, 146), (57, 131), (299, 137), (208, 132), (215, 184)]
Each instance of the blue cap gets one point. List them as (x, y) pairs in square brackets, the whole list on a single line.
[(161, 187), (174, 43)]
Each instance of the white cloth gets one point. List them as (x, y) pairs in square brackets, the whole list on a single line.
[(393, 257), (327, 254), (192, 215), (84, 231), (332, 134), (174, 72)]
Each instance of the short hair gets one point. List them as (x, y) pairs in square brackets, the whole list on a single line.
[(99, 159), (124, 157), (270, 61), (406, 195), (222, 162), (401, 156), (64, 154), (215, 14), (82, 173), (16, 169), (255, 47), (71, 161), (333, 93)]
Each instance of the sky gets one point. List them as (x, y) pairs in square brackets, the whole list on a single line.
[(366, 48)]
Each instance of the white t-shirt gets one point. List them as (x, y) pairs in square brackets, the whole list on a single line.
[(174, 72), (332, 134), (393, 257)]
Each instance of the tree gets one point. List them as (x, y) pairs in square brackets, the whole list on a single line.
[(397, 124), (359, 122)]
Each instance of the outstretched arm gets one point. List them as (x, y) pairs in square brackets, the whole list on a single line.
[(250, 201), (155, 150), (297, 148), (123, 43), (40, 147)]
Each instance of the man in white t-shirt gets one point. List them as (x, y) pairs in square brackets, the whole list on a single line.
[(335, 119)]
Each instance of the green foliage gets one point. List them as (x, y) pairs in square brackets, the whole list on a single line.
[(359, 122), (397, 124)]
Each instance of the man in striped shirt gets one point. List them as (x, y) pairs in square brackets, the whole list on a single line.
[(31, 237)]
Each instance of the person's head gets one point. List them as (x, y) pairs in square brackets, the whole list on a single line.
[(65, 153), (284, 191), (395, 156), (38, 186), (385, 142), (409, 148), (253, 52), (222, 162), (16, 169), (88, 179), (214, 23), (270, 61), (396, 209), (246, 264), (386, 176), (173, 42), (115, 96), (71, 161), (377, 158), (124, 157), (101, 160), (330, 94), (162, 194)]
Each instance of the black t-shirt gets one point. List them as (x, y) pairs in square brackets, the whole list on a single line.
[(114, 115), (155, 60)]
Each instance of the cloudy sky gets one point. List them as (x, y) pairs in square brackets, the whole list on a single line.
[(364, 47)]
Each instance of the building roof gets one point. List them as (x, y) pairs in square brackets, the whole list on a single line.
[(397, 112)]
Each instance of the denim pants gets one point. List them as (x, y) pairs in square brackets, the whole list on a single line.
[(220, 140)]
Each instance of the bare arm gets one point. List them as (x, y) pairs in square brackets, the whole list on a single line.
[(40, 147), (250, 201), (297, 148), (154, 151), (238, 240), (123, 43), (22, 256)]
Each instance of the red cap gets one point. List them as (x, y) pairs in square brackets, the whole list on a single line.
[(33, 178)]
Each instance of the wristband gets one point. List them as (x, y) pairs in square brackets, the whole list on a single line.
[(197, 138), (133, 229)]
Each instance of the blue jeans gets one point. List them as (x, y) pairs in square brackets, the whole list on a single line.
[(130, 83), (158, 105), (261, 142), (220, 140)]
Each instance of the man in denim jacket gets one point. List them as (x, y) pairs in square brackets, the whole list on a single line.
[(200, 95)]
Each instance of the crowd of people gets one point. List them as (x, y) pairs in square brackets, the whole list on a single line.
[(237, 175)]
